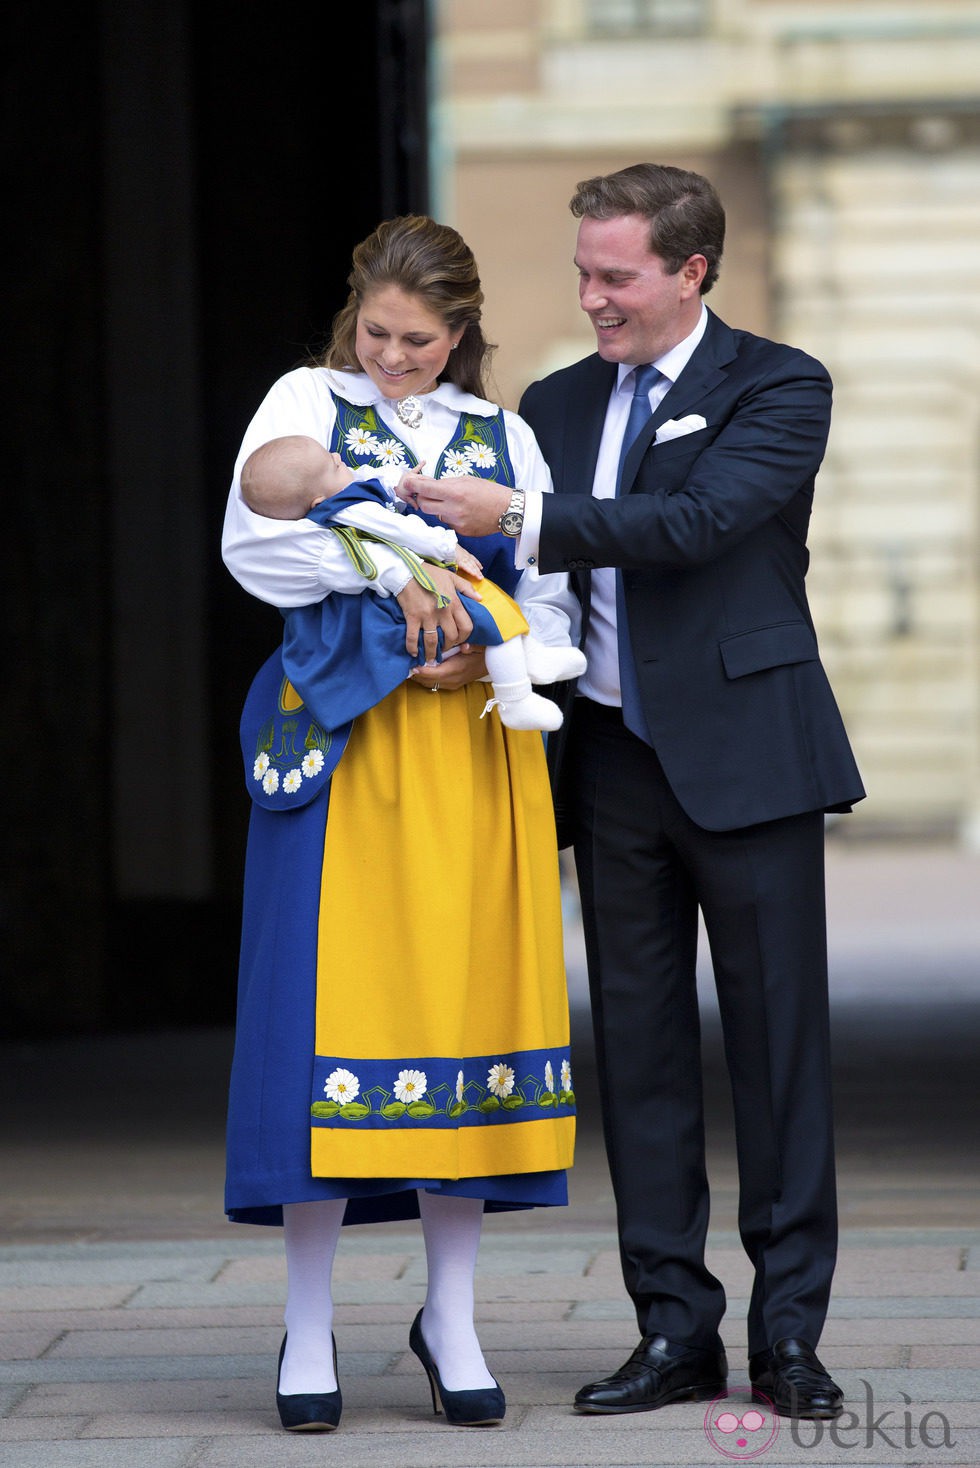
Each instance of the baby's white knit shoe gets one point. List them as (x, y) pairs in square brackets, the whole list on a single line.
[(520, 708), (552, 664)]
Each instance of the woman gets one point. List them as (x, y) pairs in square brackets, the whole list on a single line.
[(402, 1042)]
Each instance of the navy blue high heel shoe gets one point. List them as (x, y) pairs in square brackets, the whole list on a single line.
[(483, 1407), (308, 1411)]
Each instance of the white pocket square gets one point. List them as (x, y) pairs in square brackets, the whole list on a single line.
[(677, 427)]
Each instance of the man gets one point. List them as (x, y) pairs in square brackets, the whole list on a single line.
[(702, 751)]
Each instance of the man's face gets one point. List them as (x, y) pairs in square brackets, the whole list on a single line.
[(637, 310)]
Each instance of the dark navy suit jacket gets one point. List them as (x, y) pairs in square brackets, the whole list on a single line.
[(710, 532)]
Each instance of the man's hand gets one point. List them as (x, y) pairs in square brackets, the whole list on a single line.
[(423, 618), (471, 506)]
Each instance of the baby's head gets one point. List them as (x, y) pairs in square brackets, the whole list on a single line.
[(286, 477)]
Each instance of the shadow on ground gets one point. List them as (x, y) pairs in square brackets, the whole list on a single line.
[(120, 1136)]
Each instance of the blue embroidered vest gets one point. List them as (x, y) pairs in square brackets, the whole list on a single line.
[(288, 756), (478, 447)]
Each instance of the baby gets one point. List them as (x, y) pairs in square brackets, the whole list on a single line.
[(288, 477)]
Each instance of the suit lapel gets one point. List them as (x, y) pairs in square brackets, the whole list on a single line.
[(703, 373), (588, 398), (584, 424)]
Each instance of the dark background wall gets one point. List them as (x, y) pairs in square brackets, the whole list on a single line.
[(183, 185)]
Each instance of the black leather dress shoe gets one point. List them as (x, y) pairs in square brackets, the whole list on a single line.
[(794, 1381), (658, 1372)]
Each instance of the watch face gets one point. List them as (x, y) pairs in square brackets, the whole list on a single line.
[(511, 522)]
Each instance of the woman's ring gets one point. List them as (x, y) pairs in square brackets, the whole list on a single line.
[(430, 631), (434, 688)]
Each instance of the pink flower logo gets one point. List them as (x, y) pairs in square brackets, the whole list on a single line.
[(740, 1427)]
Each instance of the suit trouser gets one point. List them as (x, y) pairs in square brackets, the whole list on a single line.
[(644, 869)]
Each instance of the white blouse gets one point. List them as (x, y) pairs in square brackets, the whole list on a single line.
[(292, 563)]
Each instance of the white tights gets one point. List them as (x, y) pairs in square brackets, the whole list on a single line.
[(311, 1231), (451, 1228)]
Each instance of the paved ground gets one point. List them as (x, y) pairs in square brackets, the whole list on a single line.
[(139, 1328)]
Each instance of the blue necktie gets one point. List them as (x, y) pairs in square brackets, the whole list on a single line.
[(639, 414)]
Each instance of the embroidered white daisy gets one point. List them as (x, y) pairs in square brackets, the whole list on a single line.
[(566, 1076), (549, 1076), (342, 1085), (500, 1079), (361, 441), (410, 1085), (390, 452), (481, 456), (459, 1086), (260, 766), (313, 763), (457, 463), (292, 781), (270, 782)]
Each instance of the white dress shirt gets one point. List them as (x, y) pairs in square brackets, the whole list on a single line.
[(601, 679)]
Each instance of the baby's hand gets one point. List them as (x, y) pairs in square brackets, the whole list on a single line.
[(402, 477), (467, 564)]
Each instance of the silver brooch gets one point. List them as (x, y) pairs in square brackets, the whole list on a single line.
[(409, 411)]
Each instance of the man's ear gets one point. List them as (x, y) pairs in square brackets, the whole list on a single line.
[(693, 271)]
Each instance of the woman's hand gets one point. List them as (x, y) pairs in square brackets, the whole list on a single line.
[(471, 506), (464, 667), (423, 619)]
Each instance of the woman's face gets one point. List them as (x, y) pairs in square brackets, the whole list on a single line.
[(401, 344)]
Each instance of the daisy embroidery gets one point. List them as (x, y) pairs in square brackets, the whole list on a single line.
[(481, 456), (260, 766), (549, 1076), (410, 1085), (566, 1076), (292, 781), (390, 452), (361, 441), (500, 1079), (270, 782), (313, 763), (459, 1086), (456, 463), (342, 1085)]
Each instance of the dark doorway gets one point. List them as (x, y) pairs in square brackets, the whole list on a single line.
[(185, 182)]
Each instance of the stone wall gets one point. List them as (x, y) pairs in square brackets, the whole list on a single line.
[(846, 144), (877, 271)]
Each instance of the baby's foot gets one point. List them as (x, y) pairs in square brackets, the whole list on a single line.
[(520, 708), (552, 664)]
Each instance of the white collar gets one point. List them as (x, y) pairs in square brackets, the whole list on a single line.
[(357, 387), (673, 362)]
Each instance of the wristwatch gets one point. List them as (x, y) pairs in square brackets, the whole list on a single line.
[(511, 521)]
